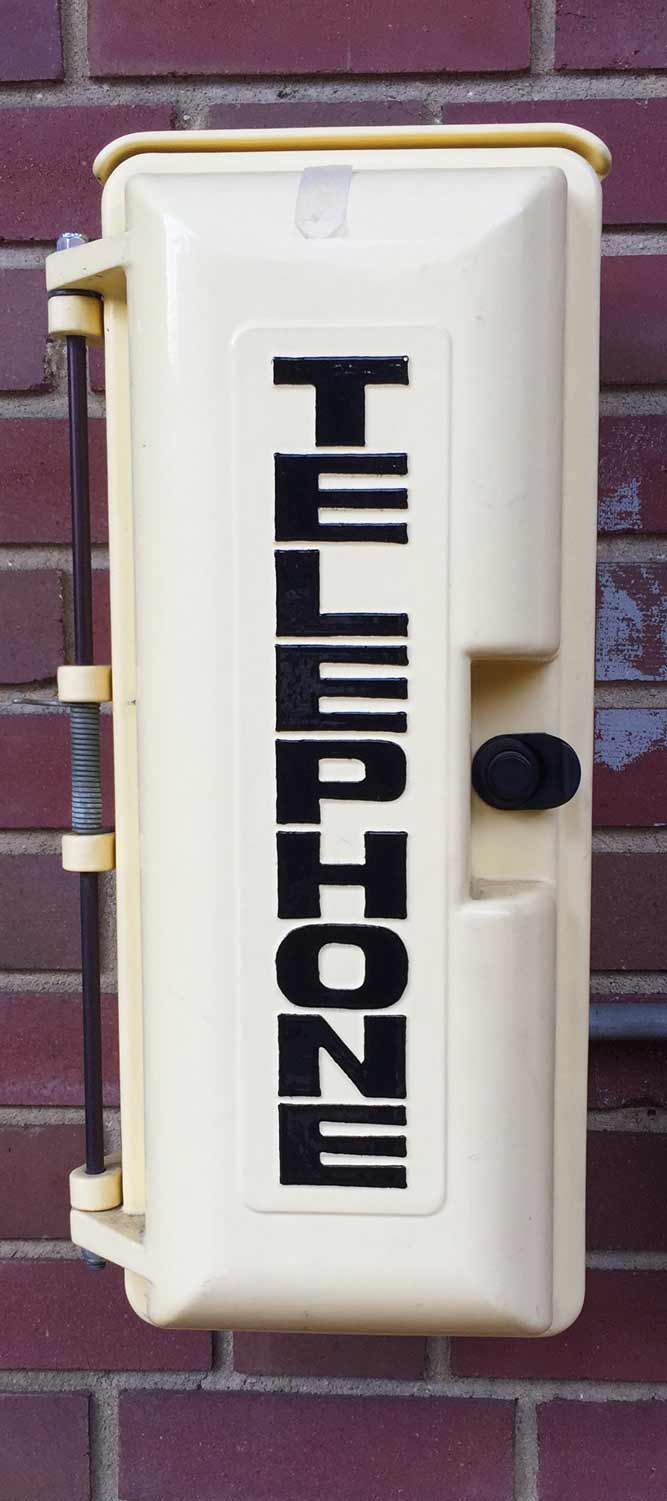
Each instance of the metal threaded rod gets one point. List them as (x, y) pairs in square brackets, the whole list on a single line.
[(86, 783)]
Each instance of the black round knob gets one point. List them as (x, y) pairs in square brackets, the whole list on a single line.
[(530, 771), (513, 773), (506, 772)]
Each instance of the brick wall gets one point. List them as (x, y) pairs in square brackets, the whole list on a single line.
[(260, 1418)]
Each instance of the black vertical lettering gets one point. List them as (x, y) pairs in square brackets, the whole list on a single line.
[(300, 791), (298, 603), (340, 390), (386, 966), (380, 1073), (382, 875), (302, 1143), (299, 688), (299, 498)]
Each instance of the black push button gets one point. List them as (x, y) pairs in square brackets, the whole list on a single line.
[(527, 772)]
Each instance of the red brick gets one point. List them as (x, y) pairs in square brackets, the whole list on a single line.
[(41, 1054), (634, 129), (32, 643), (622, 1074), (631, 631), (290, 113), (58, 1316), (35, 1163), (628, 912), (35, 770), (292, 36), (630, 773), (602, 1451), (329, 1355), (633, 336), (44, 1447), (620, 1336), (39, 913), (31, 47), (34, 463), (23, 328), (96, 374), (50, 153), (633, 474), (607, 34), (101, 620), (626, 1203), (258, 1447)]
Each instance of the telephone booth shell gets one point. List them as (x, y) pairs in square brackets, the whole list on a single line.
[(404, 324)]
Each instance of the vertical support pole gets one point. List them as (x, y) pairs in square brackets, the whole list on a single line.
[(86, 814), (83, 654)]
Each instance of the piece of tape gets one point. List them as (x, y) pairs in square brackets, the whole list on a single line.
[(321, 202)]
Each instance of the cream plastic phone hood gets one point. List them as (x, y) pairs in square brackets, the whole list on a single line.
[(352, 421)]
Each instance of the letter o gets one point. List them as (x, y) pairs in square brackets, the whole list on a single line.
[(297, 966)]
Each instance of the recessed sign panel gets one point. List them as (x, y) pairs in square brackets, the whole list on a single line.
[(341, 455)]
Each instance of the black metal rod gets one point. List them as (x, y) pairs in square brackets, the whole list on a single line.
[(83, 652), (92, 1023), (77, 394)]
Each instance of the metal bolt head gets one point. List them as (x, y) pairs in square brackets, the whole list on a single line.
[(93, 1262), (69, 239)]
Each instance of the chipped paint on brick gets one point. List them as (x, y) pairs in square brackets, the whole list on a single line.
[(623, 736), (621, 510), (632, 623), (620, 631)]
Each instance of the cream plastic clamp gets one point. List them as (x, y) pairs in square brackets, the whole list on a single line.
[(352, 439)]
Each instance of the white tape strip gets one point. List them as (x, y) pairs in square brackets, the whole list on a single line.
[(321, 203)]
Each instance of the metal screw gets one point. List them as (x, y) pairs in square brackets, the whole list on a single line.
[(69, 239)]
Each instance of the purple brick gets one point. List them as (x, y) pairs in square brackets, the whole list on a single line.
[(32, 643), (608, 34), (101, 618), (356, 1355), (35, 1163), (35, 770), (630, 773), (259, 1447), (622, 1074), (626, 1206), (631, 639), (41, 1054), (31, 47), (58, 1317), (34, 463), (23, 328), (39, 913), (45, 149), (96, 372), (292, 113), (634, 129), (633, 338), (633, 474), (287, 38), (628, 912), (602, 1451), (620, 1336), (44, 1446)]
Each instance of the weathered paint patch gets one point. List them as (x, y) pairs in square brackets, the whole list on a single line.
[(633, 474), (621, 510), (632, 623), (623, 736)]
